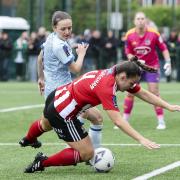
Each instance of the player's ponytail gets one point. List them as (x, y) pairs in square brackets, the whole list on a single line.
[(142, 65)]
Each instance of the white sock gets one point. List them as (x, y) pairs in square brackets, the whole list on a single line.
[(126, 116), (160, 119), (95, 135)]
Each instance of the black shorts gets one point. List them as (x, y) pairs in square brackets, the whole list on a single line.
[(68, 130)]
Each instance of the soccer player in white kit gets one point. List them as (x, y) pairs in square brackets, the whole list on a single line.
[(55, 64)]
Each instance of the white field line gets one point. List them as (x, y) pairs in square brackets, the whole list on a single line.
[(158, 171), (21, 108), (105, 144)]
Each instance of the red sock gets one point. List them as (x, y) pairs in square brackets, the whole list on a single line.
[(159, 111), (34, 131), (66, 157), (128, 105)]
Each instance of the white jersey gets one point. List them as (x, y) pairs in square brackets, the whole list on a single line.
[(57, 56)]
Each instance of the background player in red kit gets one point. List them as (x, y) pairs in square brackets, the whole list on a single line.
[(142, 41), (64, 104)]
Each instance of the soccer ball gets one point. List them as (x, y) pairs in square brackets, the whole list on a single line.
[(103, 160)]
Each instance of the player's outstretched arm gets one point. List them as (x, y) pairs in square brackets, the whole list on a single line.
[(155, 100), (128, 129)]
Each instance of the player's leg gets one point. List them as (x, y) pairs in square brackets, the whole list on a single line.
[(152, 80), (37, 128), (154, 88), (128, 106), (80, 151), (94, 115), (71, 131)]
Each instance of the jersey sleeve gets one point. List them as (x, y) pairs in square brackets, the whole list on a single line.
[(160, 43), (128, 47), (63, 53), (134, 89)]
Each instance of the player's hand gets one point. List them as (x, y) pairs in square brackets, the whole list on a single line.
[(149, 144), (41, 85), (167, 68), (82, 48), (174, 108)]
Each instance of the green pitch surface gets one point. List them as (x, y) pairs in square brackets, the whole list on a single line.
[(131, 160)]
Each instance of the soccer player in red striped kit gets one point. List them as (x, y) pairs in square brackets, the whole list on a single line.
[(64, 104)]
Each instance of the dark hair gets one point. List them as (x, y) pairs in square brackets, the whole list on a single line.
[(130, 68), (143, 65), (58, 16), (133, 67)]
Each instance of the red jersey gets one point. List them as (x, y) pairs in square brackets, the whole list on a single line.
[(145, 47), (91, 89)]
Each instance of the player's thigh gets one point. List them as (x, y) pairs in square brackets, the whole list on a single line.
[(84, 147), (45, 124), (94, 115)]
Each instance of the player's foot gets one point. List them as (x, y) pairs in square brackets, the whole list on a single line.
[(24, 142), (161, 126), (115, 127), (88, 163), (36, 165)]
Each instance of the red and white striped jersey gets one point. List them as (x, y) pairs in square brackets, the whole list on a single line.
[(91, 89)]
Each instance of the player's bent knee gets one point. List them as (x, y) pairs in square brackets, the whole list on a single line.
[(45, 124), (87, 155), (99, 119)]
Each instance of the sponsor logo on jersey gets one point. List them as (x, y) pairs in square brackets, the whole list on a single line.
[(97, 80), (66, 50), (147, 42), (142, 50)]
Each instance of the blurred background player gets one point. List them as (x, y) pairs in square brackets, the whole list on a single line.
[(54, 62), (142, 41)]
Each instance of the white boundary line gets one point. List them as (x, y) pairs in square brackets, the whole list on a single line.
[(18, 108), (105, 144), (21, 108), (143, 177), (158, 171)]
